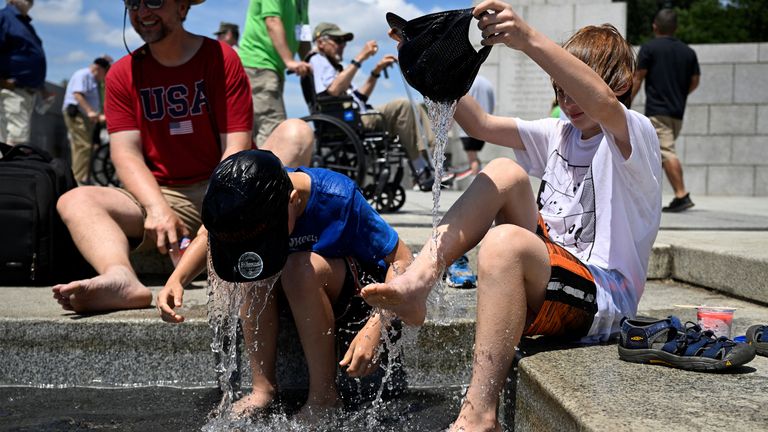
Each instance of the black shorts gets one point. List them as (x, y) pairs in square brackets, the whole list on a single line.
[(350, 310), (472, 144)]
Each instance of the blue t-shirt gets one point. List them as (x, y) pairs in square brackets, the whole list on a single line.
[(338, 221), (21, 50)]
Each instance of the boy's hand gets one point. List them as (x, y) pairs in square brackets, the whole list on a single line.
[(361, 359), (169, 298), (500, 24)]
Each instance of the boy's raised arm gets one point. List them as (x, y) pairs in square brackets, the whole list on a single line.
[(499, 24), (487, 127)]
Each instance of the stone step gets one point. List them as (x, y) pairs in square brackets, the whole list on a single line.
[(591, 389), (41, 345)]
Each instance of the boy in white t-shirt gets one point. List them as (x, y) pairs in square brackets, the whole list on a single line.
[(573, 261)]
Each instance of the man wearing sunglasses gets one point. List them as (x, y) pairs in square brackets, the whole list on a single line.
[(175, 107)]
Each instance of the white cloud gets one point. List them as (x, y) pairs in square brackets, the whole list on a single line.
[(57, 11), (71, 57), (70, 13)]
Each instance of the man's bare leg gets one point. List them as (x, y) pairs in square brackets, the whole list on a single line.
[(292, 142), (311, 282), (100, 221), (501, 193), (259, 316), (513, 272), (674, 171)]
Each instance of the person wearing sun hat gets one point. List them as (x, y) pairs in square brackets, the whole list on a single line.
[(333, 78), (309, 227), (228, 33)]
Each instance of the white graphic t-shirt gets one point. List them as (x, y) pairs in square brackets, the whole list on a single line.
[(603, 209)]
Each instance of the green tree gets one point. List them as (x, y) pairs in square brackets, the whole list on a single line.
[(702, 21)]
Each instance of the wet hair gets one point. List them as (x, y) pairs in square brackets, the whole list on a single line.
[(606, 51), (666, 21)]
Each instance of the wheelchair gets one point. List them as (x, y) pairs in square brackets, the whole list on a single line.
[(372, 158), (102, 172)]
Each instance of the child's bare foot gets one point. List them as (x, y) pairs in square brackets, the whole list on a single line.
[(118, 288), (405, 295), (255, 404), (471, 419)]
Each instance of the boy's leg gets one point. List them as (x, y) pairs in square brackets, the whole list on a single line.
[(311, 284), (259, 315), (514, 268), (501, 193)]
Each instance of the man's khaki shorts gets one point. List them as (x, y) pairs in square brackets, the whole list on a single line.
[(268, 105), (668, 129), (186, 202)]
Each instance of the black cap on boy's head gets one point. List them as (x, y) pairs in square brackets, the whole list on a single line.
[(245, 211), (436, 56)]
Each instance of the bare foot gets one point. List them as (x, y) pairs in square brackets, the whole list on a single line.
[(406, 294), (118, 288), (255, 404), (474, 420)]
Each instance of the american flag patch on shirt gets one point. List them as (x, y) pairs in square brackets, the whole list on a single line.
[(181, 128)]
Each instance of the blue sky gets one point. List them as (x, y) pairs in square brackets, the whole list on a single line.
[(74, 32)]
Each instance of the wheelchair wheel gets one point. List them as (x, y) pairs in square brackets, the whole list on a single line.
[(396, 195), (102, 171), (337, 147), (379, 202)]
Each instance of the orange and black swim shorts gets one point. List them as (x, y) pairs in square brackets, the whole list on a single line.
[(570, 303)]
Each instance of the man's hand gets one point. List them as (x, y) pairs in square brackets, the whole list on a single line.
[(168, 299), (164, 226), (360, 359), (386, 61), (300, 68), (93, 116), (369, 49)]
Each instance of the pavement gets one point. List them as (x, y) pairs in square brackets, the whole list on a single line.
[(711, 254)]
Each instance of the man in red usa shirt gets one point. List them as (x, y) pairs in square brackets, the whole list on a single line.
[(175, 107)]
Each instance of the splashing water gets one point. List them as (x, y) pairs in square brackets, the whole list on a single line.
[(441, 117), (225, 301)]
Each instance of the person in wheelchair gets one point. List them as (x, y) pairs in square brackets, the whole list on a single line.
[(397, 117)]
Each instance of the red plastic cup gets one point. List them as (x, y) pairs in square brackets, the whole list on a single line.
[(717, 319)]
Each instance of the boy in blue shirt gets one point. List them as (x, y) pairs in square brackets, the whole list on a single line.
[(315, 227)]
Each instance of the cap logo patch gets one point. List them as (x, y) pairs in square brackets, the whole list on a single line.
[(250, 265)]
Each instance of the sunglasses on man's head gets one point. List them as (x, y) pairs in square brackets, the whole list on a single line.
[(151, 4)]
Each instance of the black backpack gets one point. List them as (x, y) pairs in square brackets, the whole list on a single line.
[(35, 246)]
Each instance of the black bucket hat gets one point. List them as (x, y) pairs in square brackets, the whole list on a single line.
[(245, 211), (436, 56)]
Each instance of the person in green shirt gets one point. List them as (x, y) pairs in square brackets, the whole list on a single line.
[(275, 30)]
